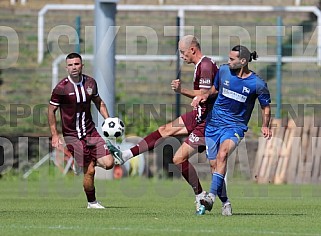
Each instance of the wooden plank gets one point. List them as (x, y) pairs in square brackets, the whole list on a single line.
[(268, 155), (309, 159), (280, 174), (292, 167), (259, 158), (275, 151), (317, 160), (280, 164), (265, 163), (262, 160), (305, 147)]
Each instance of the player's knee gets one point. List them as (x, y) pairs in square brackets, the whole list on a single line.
[(89, 171), (167, 130), (163, 130), (213, 164), (179, 159), (106, 162), (222, 156)]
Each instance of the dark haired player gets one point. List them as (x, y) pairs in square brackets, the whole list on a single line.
[(73, 96), (237, 88), (191, 123)]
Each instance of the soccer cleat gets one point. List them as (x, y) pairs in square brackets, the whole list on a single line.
[(95, 205), (227, 209), (207, 202), (117, 154), (200, 209)]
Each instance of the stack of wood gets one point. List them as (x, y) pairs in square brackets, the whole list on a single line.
[(293, 155)]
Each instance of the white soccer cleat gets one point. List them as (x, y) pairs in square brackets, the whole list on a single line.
[(227, 209), (95, 205)]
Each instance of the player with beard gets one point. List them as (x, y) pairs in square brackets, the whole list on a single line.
[(73, 96), (237, 88)]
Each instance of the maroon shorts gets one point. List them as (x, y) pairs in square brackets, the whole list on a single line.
[(195, 130), (87, 149)]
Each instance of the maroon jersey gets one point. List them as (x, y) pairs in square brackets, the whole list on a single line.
[(74, 100), (204, 74)]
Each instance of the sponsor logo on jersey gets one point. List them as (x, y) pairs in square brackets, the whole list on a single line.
[(233, 95), (193, 138), (72, 93), (245, 90), (205, 81)]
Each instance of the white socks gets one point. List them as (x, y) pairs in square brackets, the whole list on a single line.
[(127, 154)]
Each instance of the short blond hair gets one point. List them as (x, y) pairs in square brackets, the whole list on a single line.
[(191, 41)]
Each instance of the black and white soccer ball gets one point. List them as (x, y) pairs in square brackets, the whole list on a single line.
[(113, 127)]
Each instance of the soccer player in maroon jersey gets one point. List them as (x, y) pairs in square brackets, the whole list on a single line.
[(73, 96), (191, 123)]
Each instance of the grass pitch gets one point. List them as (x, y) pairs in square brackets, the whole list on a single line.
[(139, 206)]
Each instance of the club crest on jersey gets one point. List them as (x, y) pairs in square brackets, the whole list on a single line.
[(226, 82), (245, 90), (89, 90)]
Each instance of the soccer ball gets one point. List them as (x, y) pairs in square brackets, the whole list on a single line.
[(113, 127)]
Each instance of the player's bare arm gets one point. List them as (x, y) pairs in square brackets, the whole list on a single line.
[(55, 140), (101, 106), (176, 86), (266, 117)]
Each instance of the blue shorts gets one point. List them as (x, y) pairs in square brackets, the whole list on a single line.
[(213, 139)]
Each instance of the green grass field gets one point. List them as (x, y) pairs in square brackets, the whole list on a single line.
[(139, 206)]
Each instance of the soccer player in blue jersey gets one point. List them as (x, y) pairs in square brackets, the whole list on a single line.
[(237, 88)]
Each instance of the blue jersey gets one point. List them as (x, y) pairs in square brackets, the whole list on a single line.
[(236, 99)]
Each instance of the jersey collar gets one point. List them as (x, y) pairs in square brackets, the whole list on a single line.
[(199, 61), (71, 81)]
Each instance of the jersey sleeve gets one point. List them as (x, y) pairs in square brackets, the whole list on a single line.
[(264, 95), (207, 71), (55, 98), (95, 91)]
